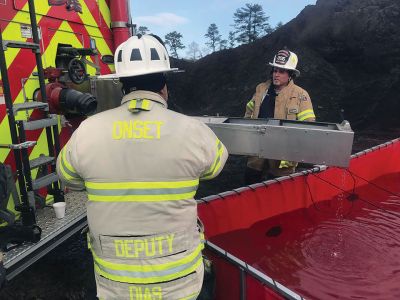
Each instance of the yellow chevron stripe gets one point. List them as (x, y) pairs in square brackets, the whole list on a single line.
[(9, 33), (5, 139), (32, 84), (87, 16), (13, 27), (41, 6), (95, 33), (103, 49), (105, 12), (102, 46)]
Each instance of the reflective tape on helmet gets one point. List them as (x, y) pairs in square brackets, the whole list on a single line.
[(141, 191), (150, 273), (215, 167), (306, 114)]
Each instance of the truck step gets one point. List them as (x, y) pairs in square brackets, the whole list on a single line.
[(23, 145), (30, 105), (37, 124), (44, 181), (21, 45), (40, 161), (54, 232)]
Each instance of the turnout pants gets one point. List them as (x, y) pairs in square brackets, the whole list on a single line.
[(185, 288)]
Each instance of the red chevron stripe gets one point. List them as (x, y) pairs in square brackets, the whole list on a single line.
[(8, 11), (17, 70), (105, 32)]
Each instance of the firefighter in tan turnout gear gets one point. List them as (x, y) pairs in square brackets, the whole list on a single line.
[(278, 98), (140, 164)]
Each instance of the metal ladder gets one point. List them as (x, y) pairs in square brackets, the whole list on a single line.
[(18, 129)]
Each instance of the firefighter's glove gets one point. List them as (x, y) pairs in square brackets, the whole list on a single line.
[(287, 164)]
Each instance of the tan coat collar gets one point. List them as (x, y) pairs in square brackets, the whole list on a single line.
[(145, 95), (287, 87)]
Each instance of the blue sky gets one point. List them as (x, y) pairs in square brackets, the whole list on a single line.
[(192, 18)]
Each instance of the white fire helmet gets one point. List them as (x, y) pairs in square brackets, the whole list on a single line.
[(287, 60), (140, 55)]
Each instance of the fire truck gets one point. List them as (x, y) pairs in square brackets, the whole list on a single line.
[(52, 53)]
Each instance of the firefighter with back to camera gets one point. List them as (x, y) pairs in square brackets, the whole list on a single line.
[(140, 164)]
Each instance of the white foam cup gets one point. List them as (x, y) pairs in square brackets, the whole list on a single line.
[(59, 209)]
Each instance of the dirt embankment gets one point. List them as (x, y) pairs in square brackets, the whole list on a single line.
[(349, 53)]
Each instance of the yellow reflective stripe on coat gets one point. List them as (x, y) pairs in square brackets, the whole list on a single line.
[(216, 164), (250, 105), (141, 191), (136, 105), (306, 114), (148, 273), (202, 240), (287, 164), (66, 169)]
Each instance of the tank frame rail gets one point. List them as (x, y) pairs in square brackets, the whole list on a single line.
[(309, 142), (54, 232), (245, 268)]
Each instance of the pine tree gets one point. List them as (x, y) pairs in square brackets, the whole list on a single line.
[(250, 23), (213, 36), (142, 30), (278, 25), (193, 52), (223, 44), (231, 39), (174, 41)]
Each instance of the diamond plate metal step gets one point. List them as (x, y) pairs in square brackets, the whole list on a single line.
[(37, 124), (40, 161), (21, 45), (54, 232), (23, 145), (30, 105), (44, 181)]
